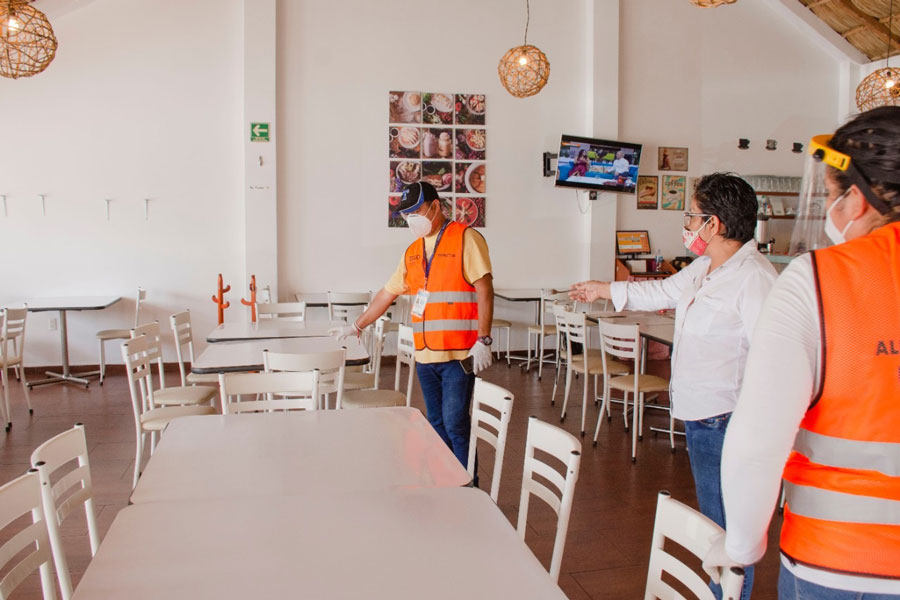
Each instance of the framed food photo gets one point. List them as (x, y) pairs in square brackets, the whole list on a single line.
[(673, 159), (672, 195), (404, 107), (647, 192)]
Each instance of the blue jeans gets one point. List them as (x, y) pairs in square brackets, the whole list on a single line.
[(704, 443), (792, 588), (447, 390)]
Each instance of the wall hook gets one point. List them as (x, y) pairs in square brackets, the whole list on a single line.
[(43, 204), (107, 200)]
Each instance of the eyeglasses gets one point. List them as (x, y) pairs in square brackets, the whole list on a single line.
[(689, 217)]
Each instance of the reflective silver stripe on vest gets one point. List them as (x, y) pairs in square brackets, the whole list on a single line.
[(883, 457), (445, 325), (452, 297), (829, 505)]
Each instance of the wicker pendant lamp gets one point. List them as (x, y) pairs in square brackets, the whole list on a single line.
[(524, 70), (27, 42), (881, 87), (711, 3)]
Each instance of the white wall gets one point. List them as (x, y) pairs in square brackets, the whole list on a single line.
[(704, 78), (143, 100)]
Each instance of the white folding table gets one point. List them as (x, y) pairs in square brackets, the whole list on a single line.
[(294, 453), (230, 357), (446, 543), (269, 330), (62, 305)]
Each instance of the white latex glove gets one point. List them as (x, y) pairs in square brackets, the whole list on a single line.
[(344, 331), (482, 357), (717, 560)]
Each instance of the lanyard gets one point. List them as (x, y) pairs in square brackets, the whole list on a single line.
[(430, 261)]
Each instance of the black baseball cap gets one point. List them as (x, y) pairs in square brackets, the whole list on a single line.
[(415, 195)]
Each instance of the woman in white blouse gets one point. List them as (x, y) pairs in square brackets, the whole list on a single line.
[(717, 299)]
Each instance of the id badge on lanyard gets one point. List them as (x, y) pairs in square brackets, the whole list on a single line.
[(418, 307)]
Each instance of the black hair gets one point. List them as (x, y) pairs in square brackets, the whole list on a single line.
[(732, 200), (872, 141)]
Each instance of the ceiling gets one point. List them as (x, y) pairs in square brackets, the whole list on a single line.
[(863, 23)]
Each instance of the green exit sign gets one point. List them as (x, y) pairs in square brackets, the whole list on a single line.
[(259, 132)]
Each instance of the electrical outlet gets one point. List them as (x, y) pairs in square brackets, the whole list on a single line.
[(53, 325)]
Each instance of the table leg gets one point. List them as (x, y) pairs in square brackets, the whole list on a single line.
[(66, 376)]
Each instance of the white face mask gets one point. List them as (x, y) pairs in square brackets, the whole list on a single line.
[(419, 225), (834, 234)]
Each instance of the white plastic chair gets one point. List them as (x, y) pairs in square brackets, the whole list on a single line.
[(502, 325), (117, 334), (490, 427), (542, 330), (343, 305), (330, 366), (30, 547), (367, 377), (624, 341), (285, 390), (281, 311), (565, 448), (406, 355), (691, 530), (184, 336), (169, 396), (12, 351), (136, 353), (71, 488)]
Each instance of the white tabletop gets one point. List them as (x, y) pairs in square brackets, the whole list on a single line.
[(398, 544), (227, 357), (519, 295), (71, 303), (653, 325), (270, 329), (294, 453), (317, 299)]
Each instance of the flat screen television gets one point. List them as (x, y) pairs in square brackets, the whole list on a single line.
[(632, 242), (597, 165)]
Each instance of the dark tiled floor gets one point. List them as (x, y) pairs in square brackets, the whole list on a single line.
[(612, 518)]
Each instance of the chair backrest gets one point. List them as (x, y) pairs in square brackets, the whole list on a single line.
[(330, 366), (12, 333), (65, 486), (139, 299), (139, 370), (490, 427), (343, 304), (566, 448), (376, 341), (620, 341), (153, 334), (281, 311), (184, 336), (30, 547), (264, 295), (272, 391), (691, 530), (548, 297), (406, 355)]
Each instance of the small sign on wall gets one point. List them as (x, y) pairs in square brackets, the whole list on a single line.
[(259, 132)]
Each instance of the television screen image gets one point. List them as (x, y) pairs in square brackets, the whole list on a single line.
[(632, 242), (598, 165)]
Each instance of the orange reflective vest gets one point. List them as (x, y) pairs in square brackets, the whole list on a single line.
[(842, 481), (450, 321)]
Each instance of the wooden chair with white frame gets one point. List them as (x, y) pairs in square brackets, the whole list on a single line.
[(542, 329), (344, 305), (29, 548), (184, 336), (148, 418), (692, 531), (282, 390), (12, 354), (501, 325), (65, 486), (565, 448), (281, 311), (491, 411), (367, 377), (624, 342), (107, 335), (406, 355), (329, 365)]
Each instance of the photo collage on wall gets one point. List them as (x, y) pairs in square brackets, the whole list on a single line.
[(439, 138)]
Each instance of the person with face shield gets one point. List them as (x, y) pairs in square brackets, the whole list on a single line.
[(717, 299), (447, 272), (820, 404)]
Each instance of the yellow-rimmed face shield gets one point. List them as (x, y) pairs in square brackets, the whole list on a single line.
[(816, 192)]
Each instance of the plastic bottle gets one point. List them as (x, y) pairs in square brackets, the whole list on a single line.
[(659, 260)]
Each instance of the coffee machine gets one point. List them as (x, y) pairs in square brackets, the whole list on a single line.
[(764, 243)]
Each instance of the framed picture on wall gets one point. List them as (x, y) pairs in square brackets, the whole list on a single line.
[(673, 159), (647, 192), (673, 192)]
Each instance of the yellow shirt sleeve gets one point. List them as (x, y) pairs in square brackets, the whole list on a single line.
[(476, 259), (397, 283)]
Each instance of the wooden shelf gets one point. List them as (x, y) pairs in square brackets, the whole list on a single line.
[(782, 216), (785, 194)]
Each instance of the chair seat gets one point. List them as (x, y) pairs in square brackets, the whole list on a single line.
[(114, 334), (647, 383), (373, 399), (595, 364), (203, 379), (157, 418), (192, 394), (357, 380), (500, 323), (546, 329)]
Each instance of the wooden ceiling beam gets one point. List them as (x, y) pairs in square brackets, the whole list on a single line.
[(873, 23), (854, 31), (817, 4)]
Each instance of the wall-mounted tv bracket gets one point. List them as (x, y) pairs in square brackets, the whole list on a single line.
[(548, 169)]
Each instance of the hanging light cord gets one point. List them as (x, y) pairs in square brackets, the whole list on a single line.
[(528, 19), (887, 62)]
